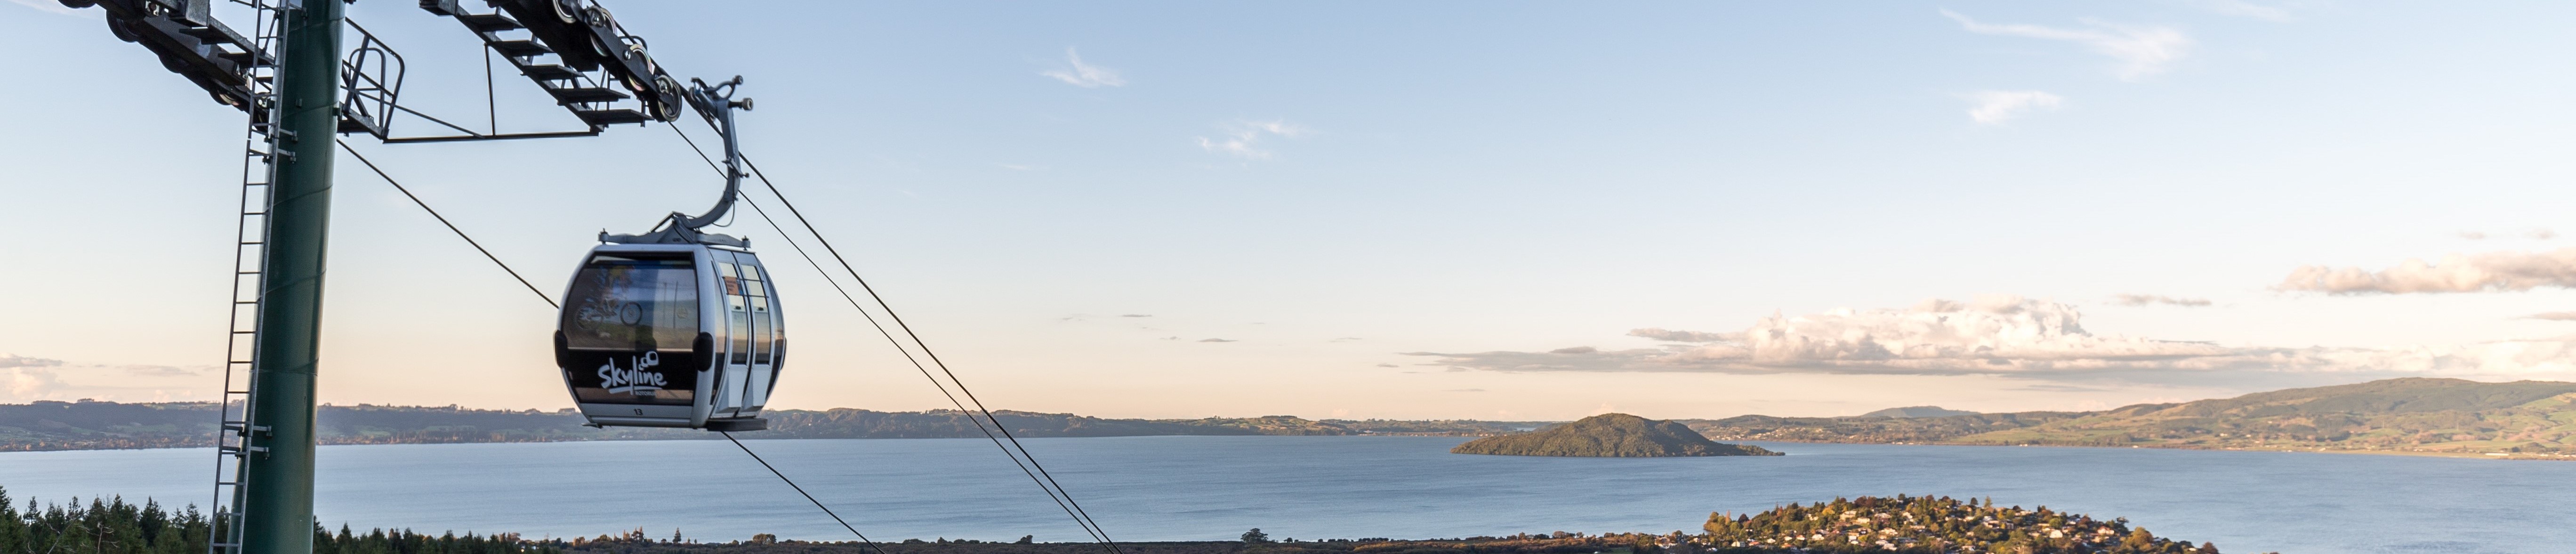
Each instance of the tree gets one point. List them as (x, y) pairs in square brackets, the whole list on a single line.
[(1026, 539), (1255, 536)]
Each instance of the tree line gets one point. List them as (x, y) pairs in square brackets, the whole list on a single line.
[(114, 526)]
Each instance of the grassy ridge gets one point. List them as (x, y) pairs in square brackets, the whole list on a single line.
[(2529, 419)]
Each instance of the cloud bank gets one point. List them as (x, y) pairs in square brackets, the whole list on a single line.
[(2483, 272), (2157, 299), (1085, 75), (2141, 50), (2009, 336)]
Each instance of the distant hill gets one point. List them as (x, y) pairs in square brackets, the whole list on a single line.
[(1609, 435), (2521, 419), (2411, 414), (1917, 411), (46, 425)]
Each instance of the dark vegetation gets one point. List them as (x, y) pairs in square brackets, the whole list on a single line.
[(46, 425), (1866, 524), (1609, 435), (1930, 525), (113, 526)]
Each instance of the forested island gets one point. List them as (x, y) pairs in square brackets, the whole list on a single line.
[(1609, 435), (1901, 524)]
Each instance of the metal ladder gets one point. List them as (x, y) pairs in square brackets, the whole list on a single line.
[(250, 258)]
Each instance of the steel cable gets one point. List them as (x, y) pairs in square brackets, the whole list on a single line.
[(1045, 481), (791, 483), (442, 220), (460, 233)]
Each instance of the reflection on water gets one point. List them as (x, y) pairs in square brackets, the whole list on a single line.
[(1212, 488)]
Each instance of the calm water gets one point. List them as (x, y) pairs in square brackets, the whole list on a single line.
[(1203, 488)]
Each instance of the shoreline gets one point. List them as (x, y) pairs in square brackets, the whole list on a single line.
[(2370, 452)]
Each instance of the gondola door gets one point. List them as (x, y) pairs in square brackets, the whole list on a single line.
[(750, 338), (736, 367), (769, 336)]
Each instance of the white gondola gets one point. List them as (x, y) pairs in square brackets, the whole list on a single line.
[(675, 328)]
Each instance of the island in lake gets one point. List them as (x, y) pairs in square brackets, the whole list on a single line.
[(1610, 436)]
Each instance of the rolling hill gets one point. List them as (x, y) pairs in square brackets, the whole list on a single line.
[(2534, 419)]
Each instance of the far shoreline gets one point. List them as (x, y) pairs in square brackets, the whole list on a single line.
[(2369, 452)]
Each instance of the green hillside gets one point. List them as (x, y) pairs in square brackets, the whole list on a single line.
[(1609, 435), (2531, 419)]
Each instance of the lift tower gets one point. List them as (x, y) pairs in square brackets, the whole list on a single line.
[(301, 90), (276, 481)]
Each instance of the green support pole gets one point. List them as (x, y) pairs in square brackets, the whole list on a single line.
[(277, 475)]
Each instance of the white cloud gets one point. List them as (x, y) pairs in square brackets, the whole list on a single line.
[(2142, 50), (1243, 138), (1659, 333), (161, 371), (2484, 272), (2016, 337), (1085, 75), (2473, 235), (1993, 107), (2241, 8), (30, 383), (2539, 234), (25, 378), (2553, 316), (2154, 299), (14, 360)]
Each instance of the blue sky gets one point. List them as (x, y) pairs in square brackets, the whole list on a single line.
[(1412, 210)]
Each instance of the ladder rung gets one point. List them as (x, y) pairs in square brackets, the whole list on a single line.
[(245, 332)]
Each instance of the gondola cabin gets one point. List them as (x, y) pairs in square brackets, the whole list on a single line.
[(671, 335)]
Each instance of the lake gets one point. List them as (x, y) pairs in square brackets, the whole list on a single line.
[(1213, 488)]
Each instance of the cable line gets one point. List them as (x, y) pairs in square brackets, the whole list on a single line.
[(791, 483), (442, 220), (773, 470), (925, 350), (1046, 482)]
